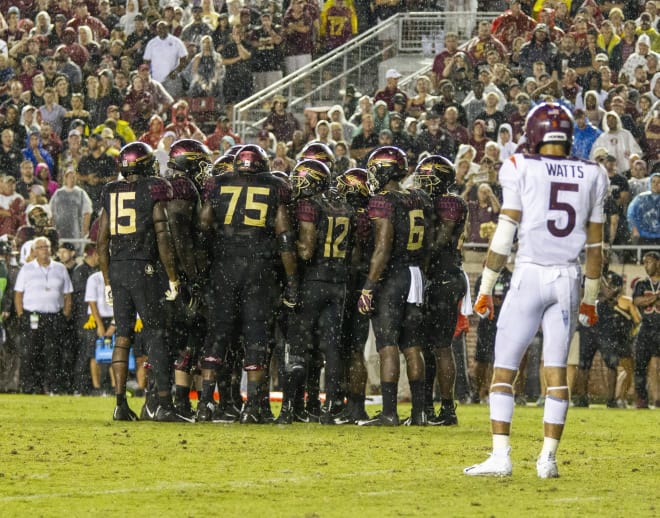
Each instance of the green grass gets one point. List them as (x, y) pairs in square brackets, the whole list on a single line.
[(64, 456)]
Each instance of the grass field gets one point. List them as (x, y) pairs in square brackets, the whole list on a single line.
[(64, 456)]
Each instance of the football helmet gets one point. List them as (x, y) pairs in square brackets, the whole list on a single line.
[(251, 159), (137, 158), (549, 123), (223, 164), (281, 175), (613, 280), (321, 152), (308, 178), (192, 158), (387, 163), (434, 174), (355, 186)]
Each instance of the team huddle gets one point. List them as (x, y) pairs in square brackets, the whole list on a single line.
[(253, 263)]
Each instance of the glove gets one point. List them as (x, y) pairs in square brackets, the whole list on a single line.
[(90, 324), (108, 295), (484, 306), (138, 325), (173, 292), (366, 302), (290, 298), (588, 316)]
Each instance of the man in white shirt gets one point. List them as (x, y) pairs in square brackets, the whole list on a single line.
[(167, 57), (42, 298)]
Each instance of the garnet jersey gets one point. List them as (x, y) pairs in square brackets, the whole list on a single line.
[(129, 206), (335, 223), (449, 208), (557, 197), (244, 211), (407, 211)]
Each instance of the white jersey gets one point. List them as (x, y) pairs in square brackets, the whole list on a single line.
[(557, 197), (95, 292)]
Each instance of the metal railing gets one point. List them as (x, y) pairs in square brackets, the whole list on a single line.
[(356, 62)]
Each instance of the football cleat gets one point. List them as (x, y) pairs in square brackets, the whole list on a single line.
[(381, 420), (250, 414), (546, 467), (286, 414), (330, 411), (167, 415), (149, 409), (446, 417), (185, 412), (227, 415), (124, 413), (497, 465), (205, 412), (416, 419), (581, 401)]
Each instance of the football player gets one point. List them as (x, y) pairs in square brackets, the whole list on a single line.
[(245, 217), (190, 163), (555, 203), (136, 255), (446, 281), (326, 230), (356, 188), (393, 291)]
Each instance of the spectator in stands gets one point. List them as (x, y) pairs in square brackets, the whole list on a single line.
[(453, 126), (95, 170), (35, 152), (365, 141), (343, 161), (161, 98), (136, 42), (107, 17), (539, 48), (387, 94), (400, 138), (338, 24), (72, 153), (381, 116), (51, 111), (82, 17), (364, 106), (477, 48), (279, 121), (162, 152), (181, 124), (478, 139), (238, 82), (639, 57), (43, 176), (206, 72), (644, 214), (492, 117), (71, 208), (193, 32), (584, 135), (435, 140), (10, 154), (504, 141), (298, 27), (485, 209), (423, 100), (12, 207), (222, 130), (267, 52), (336, 114), (443, 59), (166, 56), (618, 141), (511, 24), (638, 182)]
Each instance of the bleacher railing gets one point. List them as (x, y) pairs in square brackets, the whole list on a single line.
[(356, 62)]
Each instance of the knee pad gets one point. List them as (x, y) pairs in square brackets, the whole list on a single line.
[(555, 410), (501, 404)]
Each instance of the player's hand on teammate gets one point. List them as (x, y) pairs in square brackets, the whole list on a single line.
[(484, 306), (108, 295), (588, 315), (173, 292)]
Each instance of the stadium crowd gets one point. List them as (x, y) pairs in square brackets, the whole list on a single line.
[(104, 75)]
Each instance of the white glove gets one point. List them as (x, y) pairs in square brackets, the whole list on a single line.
[(108, 295), (173, 292)]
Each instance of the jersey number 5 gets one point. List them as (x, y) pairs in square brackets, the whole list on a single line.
[(122, 213), (555, 204)]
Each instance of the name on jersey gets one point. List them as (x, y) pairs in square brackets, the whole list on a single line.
[(565, 170)]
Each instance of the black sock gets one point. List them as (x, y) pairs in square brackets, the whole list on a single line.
[(208, 387), (389, 391), (417, 394), (357, 399), (429, 379), (253, 391), (121, 399), (165, 401), (181, 394), (448, 403)]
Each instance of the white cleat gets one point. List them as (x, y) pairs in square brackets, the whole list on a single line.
[(497, 465), (546, 467)]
